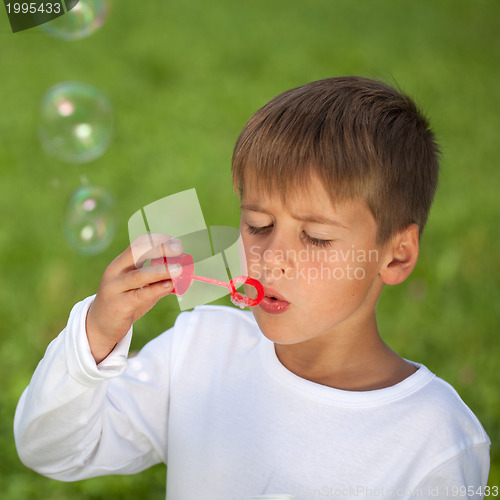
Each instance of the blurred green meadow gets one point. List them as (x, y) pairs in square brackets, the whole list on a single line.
[(183, 78)]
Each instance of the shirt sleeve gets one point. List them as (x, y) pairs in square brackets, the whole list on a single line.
[(463, 476), (77, 419)]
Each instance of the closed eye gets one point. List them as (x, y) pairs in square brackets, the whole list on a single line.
[(316, 241), (258, 230), (308, 239)]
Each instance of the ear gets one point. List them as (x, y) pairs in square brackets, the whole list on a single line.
[(402, 254)]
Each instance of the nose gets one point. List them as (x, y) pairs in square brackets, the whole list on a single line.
[(277, 256)]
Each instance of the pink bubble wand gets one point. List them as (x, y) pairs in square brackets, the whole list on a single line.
[(182, 283)]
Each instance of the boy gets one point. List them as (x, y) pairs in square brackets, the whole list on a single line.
[(301, 396)]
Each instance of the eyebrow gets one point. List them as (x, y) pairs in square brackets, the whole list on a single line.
[(313, 218)]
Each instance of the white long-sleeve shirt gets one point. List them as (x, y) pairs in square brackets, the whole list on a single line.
[(210, 398)]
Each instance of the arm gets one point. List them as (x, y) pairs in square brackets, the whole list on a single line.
[(58, 418), (82, 416)]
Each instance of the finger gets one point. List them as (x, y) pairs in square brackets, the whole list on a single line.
[(162, 248), (142, 249), (149, 295), (139, 278)]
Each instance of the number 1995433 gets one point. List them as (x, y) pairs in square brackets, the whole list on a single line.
[(33, 8)]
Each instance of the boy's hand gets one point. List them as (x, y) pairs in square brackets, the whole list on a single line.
[(128, 290)]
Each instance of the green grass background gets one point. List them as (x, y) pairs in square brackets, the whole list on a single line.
[(183, 78)]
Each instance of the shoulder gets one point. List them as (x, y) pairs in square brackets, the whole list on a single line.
[(203, 335), (440, 411), (224, 314), (217, 327), (207, 323), (452, 446), (217, 320)]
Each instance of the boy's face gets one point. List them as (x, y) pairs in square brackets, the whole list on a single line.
[(320, 262)]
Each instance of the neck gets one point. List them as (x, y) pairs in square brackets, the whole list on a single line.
[(346, 360)]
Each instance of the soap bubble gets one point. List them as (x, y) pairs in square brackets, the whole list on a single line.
[(90, 222), (86, 17), (76, 122)]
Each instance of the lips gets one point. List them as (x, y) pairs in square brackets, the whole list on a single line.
[(273, 303)]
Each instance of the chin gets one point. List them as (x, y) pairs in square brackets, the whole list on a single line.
[(280, 340), (277, 334)]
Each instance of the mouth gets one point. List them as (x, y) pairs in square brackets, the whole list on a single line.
[(274, 303), (273, 294)]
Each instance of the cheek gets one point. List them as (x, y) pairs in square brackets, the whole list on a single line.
[(251, 251), (250, 256), (327, 281), (322, 273)]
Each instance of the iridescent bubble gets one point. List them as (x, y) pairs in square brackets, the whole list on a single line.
[(86, 17), (90, 222), (75, 122)]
